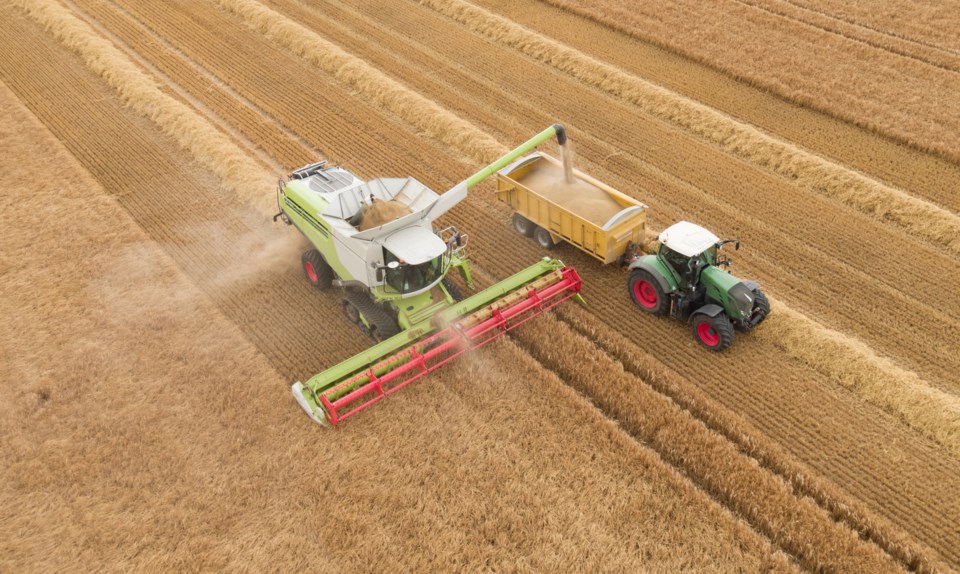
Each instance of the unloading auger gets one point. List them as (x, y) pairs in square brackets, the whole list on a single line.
[(392, 271)]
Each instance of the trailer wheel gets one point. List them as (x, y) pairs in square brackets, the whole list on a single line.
[(522, 225), (316, 270), (714, 333), (543, 238), (646, 292)]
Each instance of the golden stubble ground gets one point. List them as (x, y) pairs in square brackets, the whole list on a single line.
[(142, 431)]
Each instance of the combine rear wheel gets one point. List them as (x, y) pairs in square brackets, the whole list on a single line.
[(646, 292), (714, 333), (522, 225), (318, 273)]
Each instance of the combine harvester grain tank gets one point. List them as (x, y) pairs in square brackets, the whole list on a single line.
[(375, 241)]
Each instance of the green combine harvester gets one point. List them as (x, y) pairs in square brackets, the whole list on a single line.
[(375, 242)]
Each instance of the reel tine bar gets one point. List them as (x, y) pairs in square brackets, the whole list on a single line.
[(436, 350)]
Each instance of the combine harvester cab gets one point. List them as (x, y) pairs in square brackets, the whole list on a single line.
[(375, 240)]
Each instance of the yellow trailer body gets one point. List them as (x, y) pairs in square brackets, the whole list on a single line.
[(584, 212)]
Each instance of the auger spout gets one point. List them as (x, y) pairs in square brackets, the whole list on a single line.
[(554, 130)]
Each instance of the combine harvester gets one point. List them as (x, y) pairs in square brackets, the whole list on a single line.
[(375, 241)]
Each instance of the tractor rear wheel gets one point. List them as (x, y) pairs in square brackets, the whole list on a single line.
[(646, 292), (543, 238), (714, 333), (316, 270), (522, 225)]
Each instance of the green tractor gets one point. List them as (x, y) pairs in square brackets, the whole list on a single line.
[(684, 279)]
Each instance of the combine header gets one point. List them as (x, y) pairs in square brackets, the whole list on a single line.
[(376, 242)]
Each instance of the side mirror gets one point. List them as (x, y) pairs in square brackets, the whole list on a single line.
[(737, 244)]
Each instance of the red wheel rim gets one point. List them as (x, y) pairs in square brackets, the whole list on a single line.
[(708, 334), (311, 272), (645, 294)]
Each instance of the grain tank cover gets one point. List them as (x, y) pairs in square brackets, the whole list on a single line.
[(688, 239), (415, 245)]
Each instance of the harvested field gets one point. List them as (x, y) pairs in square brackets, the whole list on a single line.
[(827, 440)]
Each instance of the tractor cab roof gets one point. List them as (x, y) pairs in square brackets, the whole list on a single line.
[(688, 239)]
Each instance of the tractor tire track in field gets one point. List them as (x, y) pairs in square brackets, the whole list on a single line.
[(762, 497), (202, 87), (906, 47), (901, 99), (747, 438)]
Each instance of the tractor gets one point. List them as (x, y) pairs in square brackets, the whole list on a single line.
[(685, 279)]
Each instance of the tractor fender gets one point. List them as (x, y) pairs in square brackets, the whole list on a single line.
[(652, 270), (710, 310), (751, 285)]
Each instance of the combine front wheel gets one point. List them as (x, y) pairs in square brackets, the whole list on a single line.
[(714, 333)]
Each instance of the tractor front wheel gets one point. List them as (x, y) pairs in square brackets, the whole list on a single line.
[(760, 305), (522, 225), (714, 333), (646, 292), (316, 270)]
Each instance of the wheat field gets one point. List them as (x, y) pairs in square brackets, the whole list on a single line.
[(156, 315)]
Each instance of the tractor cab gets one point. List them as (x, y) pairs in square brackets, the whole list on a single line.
[(686, 249)]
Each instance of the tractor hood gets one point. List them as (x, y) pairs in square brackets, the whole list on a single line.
[(415, 245)]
